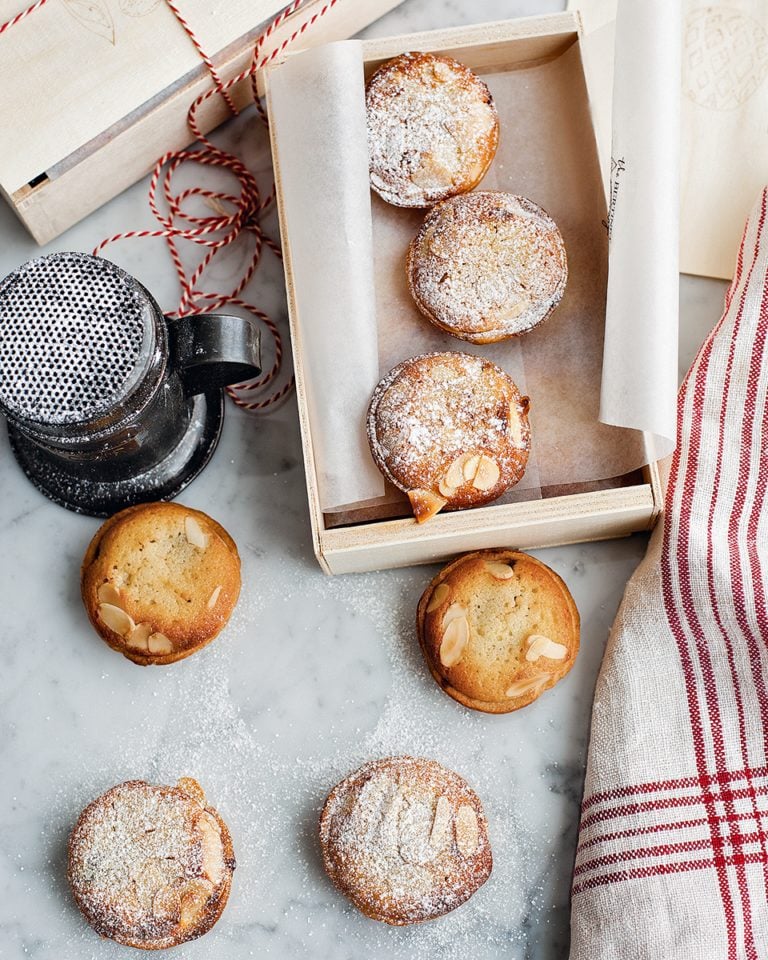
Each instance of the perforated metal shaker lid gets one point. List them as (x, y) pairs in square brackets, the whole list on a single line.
[(77, 336)]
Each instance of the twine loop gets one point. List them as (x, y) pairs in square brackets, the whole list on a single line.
[(234, 214)]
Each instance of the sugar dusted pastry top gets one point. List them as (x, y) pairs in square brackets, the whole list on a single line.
[(432, 129), (151, 866), (487, 266), (449, 429), (405, 839)]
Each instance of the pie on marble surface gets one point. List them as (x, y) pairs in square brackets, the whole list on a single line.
[(405, 839), (497, 629), (151, 866)]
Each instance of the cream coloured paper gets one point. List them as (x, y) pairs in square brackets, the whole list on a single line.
[(547, 152), (321, 140), (640, 359), (724, 103)]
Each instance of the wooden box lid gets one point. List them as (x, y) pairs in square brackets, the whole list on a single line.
[(92, 92)]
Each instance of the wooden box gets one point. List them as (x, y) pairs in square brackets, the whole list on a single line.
[(564, 514), (93, 93)]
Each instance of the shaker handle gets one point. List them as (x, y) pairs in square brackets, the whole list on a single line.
[(213, 350)]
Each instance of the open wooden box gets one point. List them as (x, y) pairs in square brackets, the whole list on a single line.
[(565, 514)]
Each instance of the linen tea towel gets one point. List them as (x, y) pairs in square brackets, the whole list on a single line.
[(672, 860)]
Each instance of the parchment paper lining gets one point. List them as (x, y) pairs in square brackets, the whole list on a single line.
[(547, 152)]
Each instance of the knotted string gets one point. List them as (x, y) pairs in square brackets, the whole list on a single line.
[(235, 214)]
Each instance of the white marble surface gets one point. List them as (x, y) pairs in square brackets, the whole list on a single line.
[(312, 677)]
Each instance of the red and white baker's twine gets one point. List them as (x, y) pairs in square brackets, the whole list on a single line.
[(20, 16), (217, 232)]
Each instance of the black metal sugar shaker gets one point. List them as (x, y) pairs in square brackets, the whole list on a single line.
[(109, 403)]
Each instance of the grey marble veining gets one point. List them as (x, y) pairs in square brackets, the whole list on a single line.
[(312, 677)]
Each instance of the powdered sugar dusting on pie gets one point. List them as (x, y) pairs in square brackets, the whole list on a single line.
[(432, 129), (486, 266), (451, 424), (406, 839)]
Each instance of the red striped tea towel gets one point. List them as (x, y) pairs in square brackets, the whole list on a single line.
[(672, 861)]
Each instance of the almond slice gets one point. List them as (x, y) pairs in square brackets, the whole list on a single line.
[(389, 831), (454, 642), (470, 467), (425, 504), (108, 594), (429, 172), (194, 533), (445, 490), (194, 897), (515, 309), (438, 836), (167, 900), (487, 475), (455, 475), (467, 830), (441, 70), (440, 373), (541, 646), (515, 426), (438, 598), (214, 598), (461, 471), (521, 687), (192, 789), (367, 810), (116, 619), (139, 636), (454, 612), (149, 875), (499, 570), (213, 848), (159, 643)]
